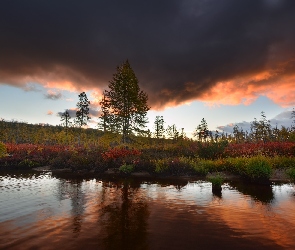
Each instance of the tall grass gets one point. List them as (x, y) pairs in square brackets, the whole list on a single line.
[(258, 168), (216, 180)]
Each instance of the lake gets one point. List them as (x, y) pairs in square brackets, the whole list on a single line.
[(48, 211)]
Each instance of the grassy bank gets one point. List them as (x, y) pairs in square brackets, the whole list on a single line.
[(256, 165)]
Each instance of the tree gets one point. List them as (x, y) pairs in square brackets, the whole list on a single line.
[(82, 113), (293, 119), (238, 134), (105, 120), (172, 132), (261, 130), (202, 131), (65, 119), (127, 107), (159, 127)]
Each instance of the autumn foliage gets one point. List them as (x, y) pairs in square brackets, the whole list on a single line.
[(260, 148), (38, 155), (115, 153)]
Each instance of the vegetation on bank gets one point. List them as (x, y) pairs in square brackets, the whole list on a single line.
[(256, 161)]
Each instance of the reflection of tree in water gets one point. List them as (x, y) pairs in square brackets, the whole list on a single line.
[(72, 190), (217, 193), (125, 218), (176, 183), (78, 201), (262, 193)]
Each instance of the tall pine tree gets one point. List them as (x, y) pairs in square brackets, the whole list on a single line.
[(159, 127), (65, 118), (125, 105), (202, 131), (82, 113), (106, 119)]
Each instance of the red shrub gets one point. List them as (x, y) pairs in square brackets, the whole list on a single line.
[(116, 153), (265, 148)]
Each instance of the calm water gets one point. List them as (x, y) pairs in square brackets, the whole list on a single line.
[(43, 211)]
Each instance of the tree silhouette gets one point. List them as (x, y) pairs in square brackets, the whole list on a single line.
[(261, 130), (65, 119), (106, 119), (125, 105), (202, 131), (159, 127), (82, 113)]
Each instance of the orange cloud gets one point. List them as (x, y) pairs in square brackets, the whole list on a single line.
[(245, 90), (277, 82), (96, 96)]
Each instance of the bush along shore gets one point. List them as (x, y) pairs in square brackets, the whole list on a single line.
[(255, 162)]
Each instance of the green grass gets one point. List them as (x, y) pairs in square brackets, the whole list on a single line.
[(126, 169), (216, 180)]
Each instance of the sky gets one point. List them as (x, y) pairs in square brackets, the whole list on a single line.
[(222, 60)]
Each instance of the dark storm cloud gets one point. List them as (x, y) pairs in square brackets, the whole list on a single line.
[(178, 49)]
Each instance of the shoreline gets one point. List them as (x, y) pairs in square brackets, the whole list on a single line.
[(278, 175)]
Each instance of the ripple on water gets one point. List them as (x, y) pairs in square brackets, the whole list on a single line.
[(44, 210)]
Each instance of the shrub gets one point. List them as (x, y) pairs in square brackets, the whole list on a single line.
[(115, 157), (258, 168), (257, 148), (211, 150), (161, 166), (3, 150), (180, 166), (283, 162), (216, 180), (236, 165), (80, 161), (202, 167), (26, 163), (126, 169), (291, 173)]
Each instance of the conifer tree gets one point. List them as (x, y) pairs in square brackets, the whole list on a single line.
[(82, 113), (127, 107), (172, 132), (106, 119), (261, 130), (293, 119), (159, 127), (65, 119), (202, 131)]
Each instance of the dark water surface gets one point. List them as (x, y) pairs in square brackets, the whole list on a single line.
[(43, 211)]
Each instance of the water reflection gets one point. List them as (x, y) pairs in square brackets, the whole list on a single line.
[(71, 189), (41, 211), (124, 216), (261, 193), (217, 193)]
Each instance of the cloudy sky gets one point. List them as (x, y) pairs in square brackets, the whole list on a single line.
[(222, 60)]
